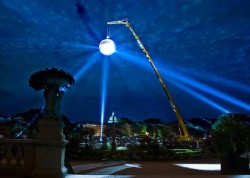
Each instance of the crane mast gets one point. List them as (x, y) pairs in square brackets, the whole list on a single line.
[(184, 134)]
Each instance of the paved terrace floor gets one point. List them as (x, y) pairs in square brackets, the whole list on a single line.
[(200, 168), (205, 168)]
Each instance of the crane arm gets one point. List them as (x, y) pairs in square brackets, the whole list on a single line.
[(185, 135)]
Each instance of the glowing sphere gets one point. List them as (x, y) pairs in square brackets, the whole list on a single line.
[(107, 47)]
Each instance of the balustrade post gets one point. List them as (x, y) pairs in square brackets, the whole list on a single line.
[(17, 157), (9, 155), (50, 150)]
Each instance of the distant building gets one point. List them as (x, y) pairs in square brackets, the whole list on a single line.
[(112, 119), (96, 127)]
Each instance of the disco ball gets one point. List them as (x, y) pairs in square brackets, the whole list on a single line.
[(107, 47)]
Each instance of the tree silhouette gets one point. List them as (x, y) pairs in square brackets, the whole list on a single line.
[(54, 82), (231, 134)]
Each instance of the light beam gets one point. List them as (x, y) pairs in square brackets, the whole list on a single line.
[(169, 73), (205, 88), (92, 60), (201, 97), (103, 93)]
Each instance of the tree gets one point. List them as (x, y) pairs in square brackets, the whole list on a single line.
[(163, 131), (152, 121), (231, 134), (87, 131), (124, 120), (28, 122), (54, 82)]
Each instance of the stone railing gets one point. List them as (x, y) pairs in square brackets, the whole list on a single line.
[(38, 158), (17, 157)]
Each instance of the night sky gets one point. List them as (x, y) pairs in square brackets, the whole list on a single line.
[(200, 47)]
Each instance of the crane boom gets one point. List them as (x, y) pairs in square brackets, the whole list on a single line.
[(184, 135)]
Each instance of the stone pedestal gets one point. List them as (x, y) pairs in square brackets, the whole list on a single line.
[(50, 150), (50, 129)]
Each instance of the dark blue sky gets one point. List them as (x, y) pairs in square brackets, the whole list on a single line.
[(200, 47)]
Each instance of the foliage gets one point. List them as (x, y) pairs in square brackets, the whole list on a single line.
[(72, 148), (121, 129), (21, 125), (231, 134), (151, 151), (125, 121), (47, 77), (87, 131), (152, 121)]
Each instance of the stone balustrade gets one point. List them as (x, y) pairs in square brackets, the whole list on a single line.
[(17, 157), (38, 158)]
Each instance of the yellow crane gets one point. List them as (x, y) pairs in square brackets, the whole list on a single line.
[(184, 134)]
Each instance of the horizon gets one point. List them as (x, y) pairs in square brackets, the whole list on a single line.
[(118, 118)]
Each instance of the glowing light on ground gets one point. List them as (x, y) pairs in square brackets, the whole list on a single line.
[(187, 151), (134, 165), (201, 167), (107, 47), (103, 93), (79, 168), (98, 176), (114, 169)]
